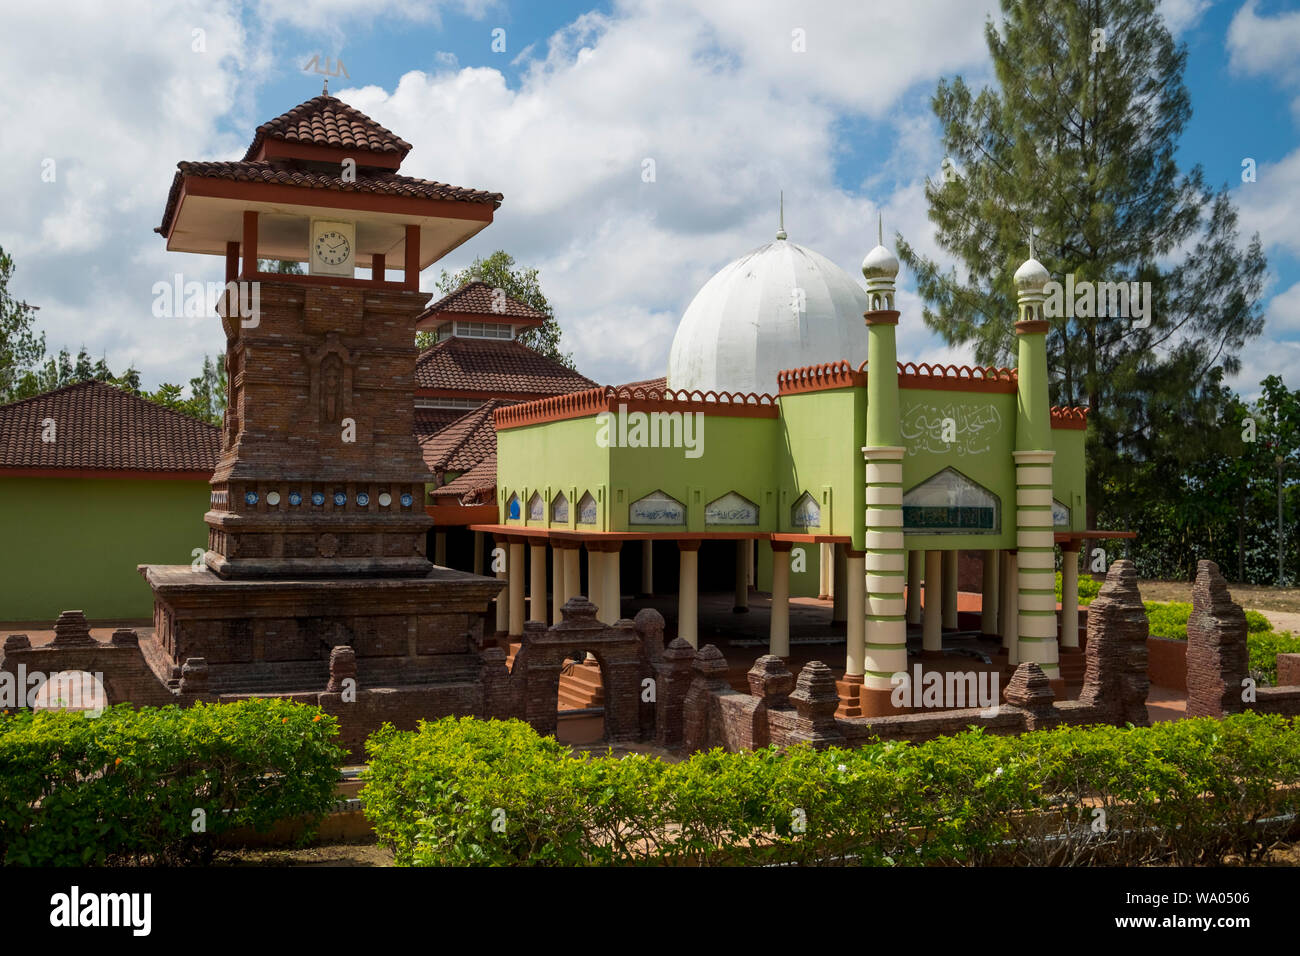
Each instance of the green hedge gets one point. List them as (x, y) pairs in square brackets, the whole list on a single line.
[(468, 792), (123, 787)]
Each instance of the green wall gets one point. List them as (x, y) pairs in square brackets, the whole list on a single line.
[(74, 543)]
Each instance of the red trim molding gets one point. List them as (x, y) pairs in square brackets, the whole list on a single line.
[(593, 401), (1076, 418), (819, 378), (458, 515), (956, 378), (122, 473)]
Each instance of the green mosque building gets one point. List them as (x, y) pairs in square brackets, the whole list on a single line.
[(787, 425)]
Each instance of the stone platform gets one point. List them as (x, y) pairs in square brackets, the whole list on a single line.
[(262, 636)]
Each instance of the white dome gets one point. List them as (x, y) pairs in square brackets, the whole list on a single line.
[(741, 328), (1032, 276)]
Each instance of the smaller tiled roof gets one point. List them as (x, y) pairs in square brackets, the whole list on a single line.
[(280, 173), (648, 384), (465, 442), (477, 297), (494, 366), (99, 426), (328, 121), (476, 486), (429, 421)]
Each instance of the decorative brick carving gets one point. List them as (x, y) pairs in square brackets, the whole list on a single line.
[(194, 676), (125, 637), (1217, 656), (674, 680), (816, 699), (17, 642), (1031, 691), (771, 680), (343, 666), (71, 630), (1115, 682)]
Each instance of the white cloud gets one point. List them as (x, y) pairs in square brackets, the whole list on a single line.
[(1265, 45), (1181, 15)]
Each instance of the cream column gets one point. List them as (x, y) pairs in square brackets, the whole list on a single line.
[(503, 598), (1010, 619), (855, 605), (989, 596), (950, 590), (825, 579), (839, 610), (932, 634), (647, 567), (515, 575), (688, 605), (537, 580), (778, 641), (572, 572), (596, 580), (915, 568), (478, 552), (742, 578), (557, 583), (612, 591), (1070, 594)]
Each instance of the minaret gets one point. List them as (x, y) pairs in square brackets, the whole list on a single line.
[(1035, 544), (882, 651)]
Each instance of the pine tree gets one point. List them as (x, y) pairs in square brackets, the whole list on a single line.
[(21, 347), (498, 270), (1077, 144)]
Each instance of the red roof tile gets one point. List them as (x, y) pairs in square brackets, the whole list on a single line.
[(476, 486), (494, 366), (465, 442), (98, 426), (281, 173), (328, 121), (477, 297)]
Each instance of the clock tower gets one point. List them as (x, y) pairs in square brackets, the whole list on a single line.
[(317, 521)]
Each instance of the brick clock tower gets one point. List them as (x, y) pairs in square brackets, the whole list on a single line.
[(316, 526)]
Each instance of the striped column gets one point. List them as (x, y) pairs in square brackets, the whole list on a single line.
[(515, 579), (885, 559), (1036, 562), (688, 594), (596, 579)]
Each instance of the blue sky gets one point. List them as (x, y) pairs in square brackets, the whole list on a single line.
[(560, 122)]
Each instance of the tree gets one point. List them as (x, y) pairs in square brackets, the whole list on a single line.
[(208, 390), (21, 348), (1078, 144), (284, 267), (498, 270)]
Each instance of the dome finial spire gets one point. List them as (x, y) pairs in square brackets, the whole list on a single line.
[(326, 91), (880, 228), (780, 232)]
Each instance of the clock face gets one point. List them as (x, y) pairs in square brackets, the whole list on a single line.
[(333, 248)]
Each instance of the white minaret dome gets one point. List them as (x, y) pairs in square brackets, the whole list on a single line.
[(1032, 276), (780, 306), (880, 263)]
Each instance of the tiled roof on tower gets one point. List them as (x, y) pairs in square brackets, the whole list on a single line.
[(479, 298), (327, 121), (494, 367)]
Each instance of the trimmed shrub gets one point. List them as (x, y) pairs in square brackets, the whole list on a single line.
[(1264, 649), (125, 786), (468, 792), (1089, 588)]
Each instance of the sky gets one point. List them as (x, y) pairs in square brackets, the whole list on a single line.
[(557, 105)]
